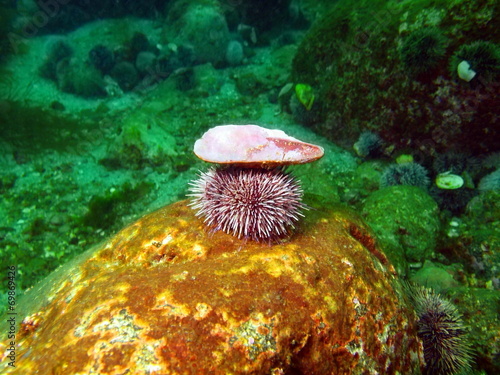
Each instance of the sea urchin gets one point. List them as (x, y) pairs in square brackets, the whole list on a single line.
[(255, 203), (444, 337), (250, 196), (422, 50), (412, 174)]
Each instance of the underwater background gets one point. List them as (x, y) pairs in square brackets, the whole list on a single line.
[(102, 101)]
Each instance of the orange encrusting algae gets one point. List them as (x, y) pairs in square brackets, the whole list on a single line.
[(166, 296)]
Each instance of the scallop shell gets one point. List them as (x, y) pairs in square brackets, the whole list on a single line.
[(254, 146)]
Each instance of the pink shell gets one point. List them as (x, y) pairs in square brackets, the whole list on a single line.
[(252, 145)]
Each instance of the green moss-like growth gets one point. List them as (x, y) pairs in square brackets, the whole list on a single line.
[(37, 227), (7, 14), (79, 78), (335, 50), (352, 56), (57, 52), (479, 308), (422, 50), (105, 209), (483, 58), (317, 59), (434, 276), (7, 182), (406, 222), (34, 127)]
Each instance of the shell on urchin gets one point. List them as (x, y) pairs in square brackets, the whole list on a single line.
[(254, 203)]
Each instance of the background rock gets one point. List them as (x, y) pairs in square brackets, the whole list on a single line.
[(353, 59), (200, 25), (406, 222)]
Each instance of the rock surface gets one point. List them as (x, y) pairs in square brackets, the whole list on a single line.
[(405, 220), (164, 296), (353, 61)]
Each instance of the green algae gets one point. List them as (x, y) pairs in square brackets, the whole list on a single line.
[(351, 57), (405, 219), (104, 210)]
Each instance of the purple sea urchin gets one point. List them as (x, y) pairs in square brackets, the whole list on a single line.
[(255, 203), (444, 337)]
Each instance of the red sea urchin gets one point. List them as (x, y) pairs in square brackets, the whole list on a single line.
[(250, 196)]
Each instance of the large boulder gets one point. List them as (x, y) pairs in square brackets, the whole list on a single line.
[(200, 26), (392, 67), (166, 296)]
